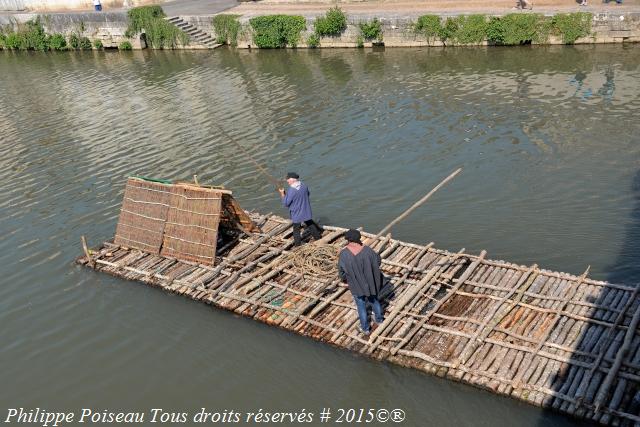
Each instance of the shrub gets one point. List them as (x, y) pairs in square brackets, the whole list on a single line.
[(313, 40), (74, 41), (429, 26), (449, 29), (140, 16), (226, 28), (85, 43), (125, 45), (98, 44), (57, 42), (572, 26), (30, 36), (333, 23), (12, 41), (496, 30), (471, 29), (2, 41), (517, 28), (371, 30), (359, 41), (276, 31), (159, 32)]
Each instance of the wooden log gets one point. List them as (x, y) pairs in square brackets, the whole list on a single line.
[(418, 203), (604, 346), (87, 254), (557, 316), (622, 353)]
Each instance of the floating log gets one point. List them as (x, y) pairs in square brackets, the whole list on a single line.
[(566, 342)]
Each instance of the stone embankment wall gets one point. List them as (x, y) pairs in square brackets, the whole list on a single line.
[(108, 27), (399, 31)]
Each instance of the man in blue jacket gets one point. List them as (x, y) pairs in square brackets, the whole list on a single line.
[(297, 200)]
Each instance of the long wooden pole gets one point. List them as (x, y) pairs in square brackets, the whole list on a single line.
[(261, 168), (417, 204)]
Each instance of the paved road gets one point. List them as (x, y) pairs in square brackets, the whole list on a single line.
[(394, 8), (171, 8), (197, 7)]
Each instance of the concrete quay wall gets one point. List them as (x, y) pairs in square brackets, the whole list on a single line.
[(108, 27), (606, 27)]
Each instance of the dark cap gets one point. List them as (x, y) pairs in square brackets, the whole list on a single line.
[(352, 235), (292, 175)]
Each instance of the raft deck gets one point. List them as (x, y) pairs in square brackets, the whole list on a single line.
[(550, 339)]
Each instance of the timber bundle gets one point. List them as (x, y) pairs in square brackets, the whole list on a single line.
[(552, 339)]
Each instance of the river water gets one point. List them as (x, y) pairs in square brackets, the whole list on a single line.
[(547, 137)]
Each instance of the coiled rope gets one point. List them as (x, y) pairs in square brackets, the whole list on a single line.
[(318, 259)]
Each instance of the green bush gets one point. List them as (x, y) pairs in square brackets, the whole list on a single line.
[(125, 45), (332, 24), (226, 28), (2, 41), (572, 26), (140, 16), (313, 40), (74, 41), (36, 37), (496, 30), (159, 32), (98, 44), (29, 36), (429, 26), (472, 29), (371, 30), (277, 31), (449, 29), (12, 41), (85, 43), (359, 41), (57, 42), (517, 28)]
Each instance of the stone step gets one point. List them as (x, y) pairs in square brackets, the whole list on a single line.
[(196, 35)]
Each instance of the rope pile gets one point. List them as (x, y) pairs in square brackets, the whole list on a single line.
[(321, 260)]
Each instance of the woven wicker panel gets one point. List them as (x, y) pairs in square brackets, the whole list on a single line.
[(143, 214), (234, 216), (191, 229)]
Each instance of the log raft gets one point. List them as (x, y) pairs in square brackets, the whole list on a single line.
[(565, 342)]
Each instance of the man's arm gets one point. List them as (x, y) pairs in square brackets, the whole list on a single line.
[(285, 196), (341, 272)]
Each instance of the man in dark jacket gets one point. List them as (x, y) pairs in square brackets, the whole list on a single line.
[(359, 266), (296, 199)]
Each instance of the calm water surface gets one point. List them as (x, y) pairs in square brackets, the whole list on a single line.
[(547, 137)]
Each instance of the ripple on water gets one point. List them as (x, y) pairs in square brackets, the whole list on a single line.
[(547, 138)]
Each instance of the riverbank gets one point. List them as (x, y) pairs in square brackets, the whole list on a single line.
[(246, 26), (416, 29)]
